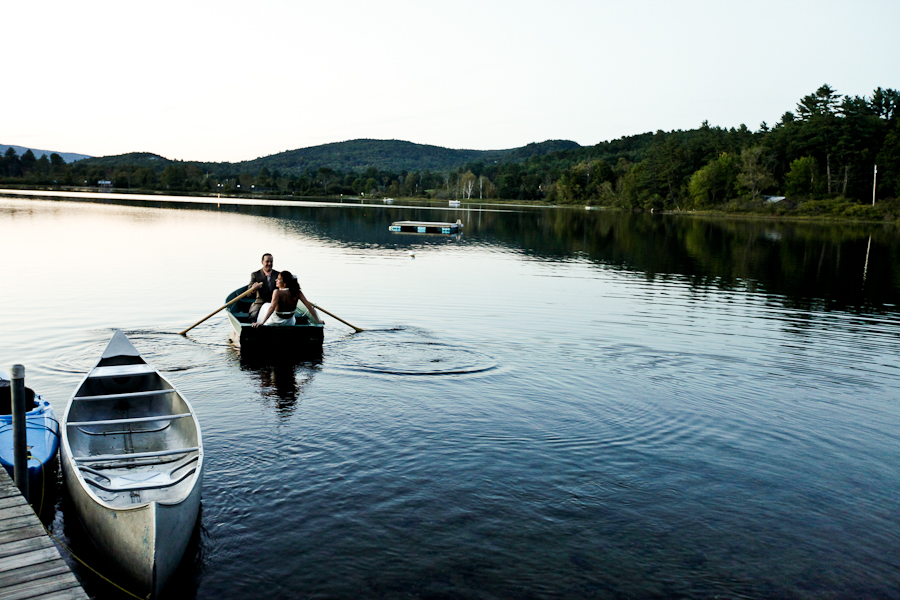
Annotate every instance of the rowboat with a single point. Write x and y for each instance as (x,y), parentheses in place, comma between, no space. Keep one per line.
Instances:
(132,459)
(41,435)
(303,338)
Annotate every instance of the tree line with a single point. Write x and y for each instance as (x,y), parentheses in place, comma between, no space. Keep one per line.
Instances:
(821,157)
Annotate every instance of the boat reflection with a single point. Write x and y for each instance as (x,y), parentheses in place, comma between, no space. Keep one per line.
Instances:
(281,380)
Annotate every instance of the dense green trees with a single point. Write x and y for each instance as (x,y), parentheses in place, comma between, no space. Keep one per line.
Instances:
(714,182)
(826,149)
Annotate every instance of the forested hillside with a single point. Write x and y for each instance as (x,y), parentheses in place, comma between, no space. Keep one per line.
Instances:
(821,156)
(392,156)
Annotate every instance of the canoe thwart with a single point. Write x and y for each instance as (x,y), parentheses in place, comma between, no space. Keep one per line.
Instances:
(132,420)
(105,432)
(121,371)
(105,457)
(127,395)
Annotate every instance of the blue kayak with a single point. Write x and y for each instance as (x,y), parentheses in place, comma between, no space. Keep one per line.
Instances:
(41,433)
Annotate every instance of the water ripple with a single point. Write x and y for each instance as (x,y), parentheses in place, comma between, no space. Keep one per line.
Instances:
(412,357)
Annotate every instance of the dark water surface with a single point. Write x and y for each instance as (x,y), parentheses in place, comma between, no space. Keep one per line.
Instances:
(560,404)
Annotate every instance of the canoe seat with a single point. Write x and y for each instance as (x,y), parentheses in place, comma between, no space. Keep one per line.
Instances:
(121,371)
(133,455)
(132,420)
(127,396)
(133,482)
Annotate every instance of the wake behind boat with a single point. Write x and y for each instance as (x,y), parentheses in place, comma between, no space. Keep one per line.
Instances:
(132,458)
(41,434)
(305,337)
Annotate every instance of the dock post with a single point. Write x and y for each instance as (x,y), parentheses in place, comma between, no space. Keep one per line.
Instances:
(20,443)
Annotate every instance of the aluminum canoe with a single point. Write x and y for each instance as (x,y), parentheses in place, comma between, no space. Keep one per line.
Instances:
(132,459)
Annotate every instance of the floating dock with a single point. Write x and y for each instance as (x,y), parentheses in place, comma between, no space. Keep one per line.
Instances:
(426,227)
(30,564)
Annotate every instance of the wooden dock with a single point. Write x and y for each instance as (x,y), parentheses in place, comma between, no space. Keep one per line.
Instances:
(30,564)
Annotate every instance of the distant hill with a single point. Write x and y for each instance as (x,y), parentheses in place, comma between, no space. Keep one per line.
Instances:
(66,156)
(354,155)
(136,159)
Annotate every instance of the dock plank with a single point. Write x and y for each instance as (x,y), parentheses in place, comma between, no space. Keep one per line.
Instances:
(16,522)
(23,560)
(72,593)
(8,491)
(16,511)
(29,545)
(33,572)
(16,500)
(32,589)
(30,564)
(15,534)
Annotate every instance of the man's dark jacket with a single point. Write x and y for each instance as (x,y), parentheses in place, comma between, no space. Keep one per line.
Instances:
(263,294)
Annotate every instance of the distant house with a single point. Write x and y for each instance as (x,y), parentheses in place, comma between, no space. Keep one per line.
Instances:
(105,184)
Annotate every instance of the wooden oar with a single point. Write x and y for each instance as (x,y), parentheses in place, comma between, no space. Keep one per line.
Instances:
(217,310)
(338,318)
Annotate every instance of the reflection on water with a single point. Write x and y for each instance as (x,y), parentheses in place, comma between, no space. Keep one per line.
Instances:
(562,403)
(281,381)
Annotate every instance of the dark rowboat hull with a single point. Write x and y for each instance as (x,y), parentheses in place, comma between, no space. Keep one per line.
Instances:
(304,338)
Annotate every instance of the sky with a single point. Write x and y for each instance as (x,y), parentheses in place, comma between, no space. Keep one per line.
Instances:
(228,81)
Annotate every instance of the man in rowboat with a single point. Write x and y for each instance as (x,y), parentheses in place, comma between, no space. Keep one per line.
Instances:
(263,281)
(266,281)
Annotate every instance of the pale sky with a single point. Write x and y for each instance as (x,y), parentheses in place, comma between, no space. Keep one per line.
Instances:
(226,80)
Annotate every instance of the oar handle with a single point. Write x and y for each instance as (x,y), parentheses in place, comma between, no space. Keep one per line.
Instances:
(338,318)
(226,305)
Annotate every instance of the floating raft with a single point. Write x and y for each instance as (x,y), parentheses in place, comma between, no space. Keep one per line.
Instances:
(426,227)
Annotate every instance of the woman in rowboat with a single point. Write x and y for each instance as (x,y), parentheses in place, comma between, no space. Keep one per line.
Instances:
(280,311)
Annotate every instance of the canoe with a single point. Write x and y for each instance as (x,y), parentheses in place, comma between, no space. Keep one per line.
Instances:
(132,459)
(41,435)
(304,338)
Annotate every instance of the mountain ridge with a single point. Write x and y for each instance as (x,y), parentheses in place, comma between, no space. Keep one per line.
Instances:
(351,155)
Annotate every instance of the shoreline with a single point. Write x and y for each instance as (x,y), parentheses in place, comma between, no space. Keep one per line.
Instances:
(487,205)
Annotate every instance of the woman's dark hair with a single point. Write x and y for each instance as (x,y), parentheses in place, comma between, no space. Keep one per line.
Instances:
(290,282)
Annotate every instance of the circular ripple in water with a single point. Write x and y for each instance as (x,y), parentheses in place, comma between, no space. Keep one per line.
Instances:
(417,358)
(165,351)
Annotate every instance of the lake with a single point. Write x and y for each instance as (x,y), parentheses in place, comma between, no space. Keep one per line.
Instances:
(560,403)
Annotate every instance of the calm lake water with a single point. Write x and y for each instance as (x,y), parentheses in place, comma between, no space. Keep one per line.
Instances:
(560,404)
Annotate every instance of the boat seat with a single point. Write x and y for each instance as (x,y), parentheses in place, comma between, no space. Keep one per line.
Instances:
(133,482)
(133,455)
(131,420)
(121,371)
(127,395)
